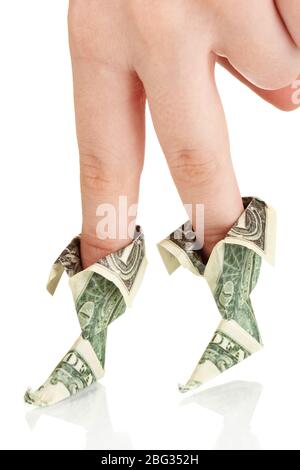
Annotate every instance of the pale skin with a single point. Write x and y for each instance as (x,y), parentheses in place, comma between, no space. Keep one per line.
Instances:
(125,52)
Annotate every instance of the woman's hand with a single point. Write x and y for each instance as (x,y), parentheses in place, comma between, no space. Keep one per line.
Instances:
(124,51)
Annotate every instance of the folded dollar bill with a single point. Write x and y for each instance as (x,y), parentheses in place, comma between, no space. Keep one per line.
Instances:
(232,272)
(101,294)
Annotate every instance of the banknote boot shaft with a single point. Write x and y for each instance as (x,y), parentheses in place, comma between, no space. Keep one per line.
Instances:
(231,271)
(101,294)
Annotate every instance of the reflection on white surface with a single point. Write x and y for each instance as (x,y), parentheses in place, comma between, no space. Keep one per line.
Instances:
(90,410)
(236,402)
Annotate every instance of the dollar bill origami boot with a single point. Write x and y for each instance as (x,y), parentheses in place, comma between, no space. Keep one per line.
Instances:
(101,294)
(232,272)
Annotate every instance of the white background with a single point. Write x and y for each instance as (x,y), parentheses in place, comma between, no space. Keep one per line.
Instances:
(158,342)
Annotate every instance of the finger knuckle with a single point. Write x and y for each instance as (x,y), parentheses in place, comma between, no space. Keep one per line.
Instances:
(192,165)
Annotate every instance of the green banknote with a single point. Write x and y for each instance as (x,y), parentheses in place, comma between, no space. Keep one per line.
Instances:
(101,294)
(232,272)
